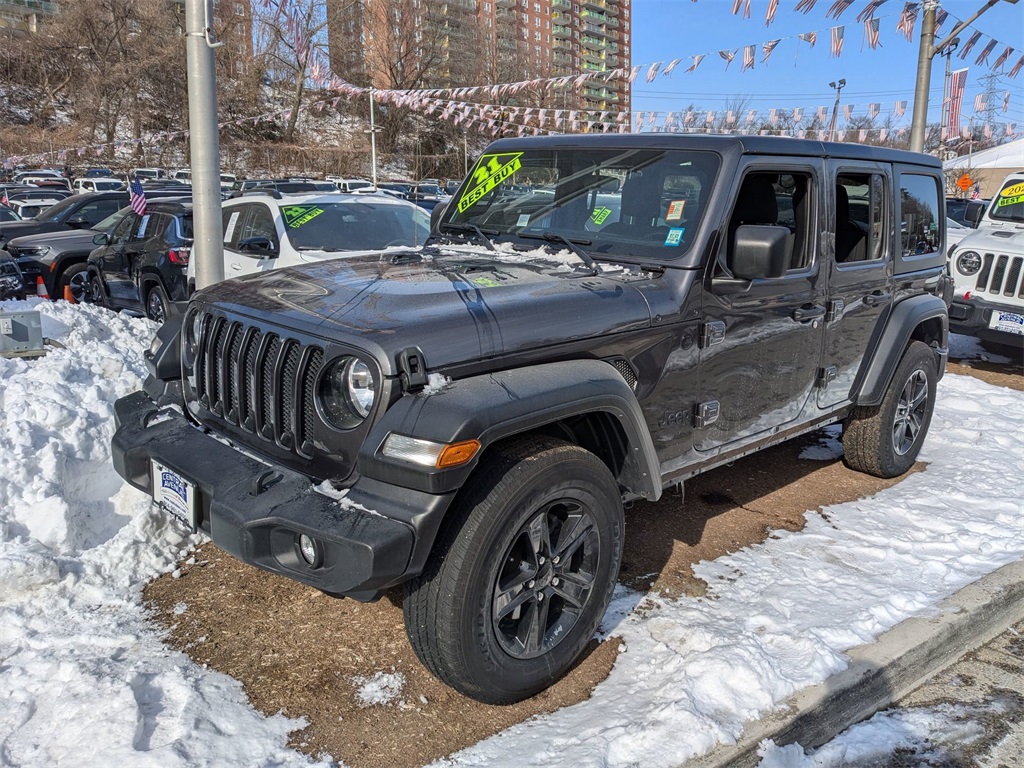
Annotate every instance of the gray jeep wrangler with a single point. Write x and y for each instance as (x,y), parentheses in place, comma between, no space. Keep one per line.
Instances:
(594,319)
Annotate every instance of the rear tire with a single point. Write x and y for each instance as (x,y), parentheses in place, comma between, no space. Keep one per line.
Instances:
(884,440)
(158,306)
(75,277)
(521,573)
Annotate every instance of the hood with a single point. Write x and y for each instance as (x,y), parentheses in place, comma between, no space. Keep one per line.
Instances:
(59,240)
(457,308)
(12,229)
(995,237)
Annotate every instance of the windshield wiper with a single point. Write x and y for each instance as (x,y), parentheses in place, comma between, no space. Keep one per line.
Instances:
(554,237)
(481,233)
(646,265)
(324,248)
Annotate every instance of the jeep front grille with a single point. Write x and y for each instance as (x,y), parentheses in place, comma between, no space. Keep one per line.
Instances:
(259,382)
(1001,274)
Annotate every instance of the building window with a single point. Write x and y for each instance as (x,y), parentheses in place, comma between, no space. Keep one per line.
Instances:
(536,35)
(239,9)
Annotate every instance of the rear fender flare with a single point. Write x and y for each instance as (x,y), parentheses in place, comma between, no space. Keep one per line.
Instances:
(906,317)
(492,407)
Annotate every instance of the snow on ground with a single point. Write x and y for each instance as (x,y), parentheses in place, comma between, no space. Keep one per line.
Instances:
(85,678)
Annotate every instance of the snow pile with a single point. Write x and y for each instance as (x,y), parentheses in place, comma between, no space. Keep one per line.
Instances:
(379,689)
(779,615)
(85,678)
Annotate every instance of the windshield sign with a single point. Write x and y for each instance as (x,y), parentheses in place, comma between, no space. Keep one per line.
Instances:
(1009,203)
(354,226)
(643,202)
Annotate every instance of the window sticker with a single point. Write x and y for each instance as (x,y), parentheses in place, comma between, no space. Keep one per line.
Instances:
(1009,200)
(675,210)
(524,220)
(490,171)
(229,230)
(485,282)
(142,225)
(675,236)
(600,215)
(1014,190)
(297,215)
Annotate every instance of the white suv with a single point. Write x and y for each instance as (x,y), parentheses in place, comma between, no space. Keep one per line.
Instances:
(988,270)
(264,231)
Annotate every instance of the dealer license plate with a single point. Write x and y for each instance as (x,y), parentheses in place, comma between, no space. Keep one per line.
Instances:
(1008,322)
(175,494)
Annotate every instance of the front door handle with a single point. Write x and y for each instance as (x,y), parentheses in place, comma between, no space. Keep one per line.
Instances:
(236,266)
(876,298)
(808,312)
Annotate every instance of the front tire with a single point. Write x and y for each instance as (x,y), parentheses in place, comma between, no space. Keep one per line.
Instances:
(521,573)
(97,292)
(884,440)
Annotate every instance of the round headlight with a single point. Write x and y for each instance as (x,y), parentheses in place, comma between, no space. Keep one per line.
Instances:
(968,263)
(191,332)
(347,392)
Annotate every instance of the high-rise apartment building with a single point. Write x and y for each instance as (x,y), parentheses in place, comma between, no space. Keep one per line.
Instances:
(437,43)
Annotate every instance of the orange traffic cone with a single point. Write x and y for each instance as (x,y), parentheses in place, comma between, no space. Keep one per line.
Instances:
(41,288)
(69,297)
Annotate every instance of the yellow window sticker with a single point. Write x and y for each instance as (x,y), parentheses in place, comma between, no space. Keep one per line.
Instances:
(297,215)
(490,171)
(675,210)
(599,215)
(1010,200)
(485,282)
(1015,190)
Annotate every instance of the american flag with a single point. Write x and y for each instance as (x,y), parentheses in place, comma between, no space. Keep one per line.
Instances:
(138,197)
(871,33)
(798,114)
(769,16)
(981,102)
(821,114)
(748,57)
(986,52)
(873,110)
(837,8)
(1002,58)
(869,9)
(900,108)
(957,81)
(847,112)
(737,4)
(1016,67)
(973,41)
(837,41)
(907,19)
(805,5)
(728,56)
(1006,102)
(767,49)
(940,18)
(808,37)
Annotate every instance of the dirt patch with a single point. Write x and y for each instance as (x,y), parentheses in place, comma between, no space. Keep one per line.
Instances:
(306,654)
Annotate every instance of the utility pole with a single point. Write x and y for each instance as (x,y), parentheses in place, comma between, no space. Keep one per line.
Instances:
(835,109)
(373,142)
(926,52)
(204,143)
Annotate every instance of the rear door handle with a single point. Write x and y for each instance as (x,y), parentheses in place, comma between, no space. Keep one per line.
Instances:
(876,298)
(808,312)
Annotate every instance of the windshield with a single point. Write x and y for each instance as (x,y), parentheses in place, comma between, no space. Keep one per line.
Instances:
(642,202)
(361,226)
(1009,203)
(56,212)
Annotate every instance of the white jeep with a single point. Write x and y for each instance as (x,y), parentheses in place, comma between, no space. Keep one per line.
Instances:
(987,268)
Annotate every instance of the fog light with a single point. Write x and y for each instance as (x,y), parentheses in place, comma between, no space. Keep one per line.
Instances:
(309,550)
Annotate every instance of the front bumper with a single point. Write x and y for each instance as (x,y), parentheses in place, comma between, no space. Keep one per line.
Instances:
(971,317)
(256,512)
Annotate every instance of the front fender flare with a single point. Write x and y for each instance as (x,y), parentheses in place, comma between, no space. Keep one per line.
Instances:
(905,318)
(494,406)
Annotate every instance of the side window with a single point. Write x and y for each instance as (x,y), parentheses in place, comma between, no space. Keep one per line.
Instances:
(919,214)
(96,211)
(232,218)
(150,225)
(859,217)
(123,231)
(780,199)
(258,222)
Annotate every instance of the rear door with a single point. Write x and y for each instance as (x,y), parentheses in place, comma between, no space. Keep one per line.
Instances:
(761,345)
(859,259)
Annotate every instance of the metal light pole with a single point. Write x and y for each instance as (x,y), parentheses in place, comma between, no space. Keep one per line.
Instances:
(835,109)
(204,143)
(926,52)
(373,142)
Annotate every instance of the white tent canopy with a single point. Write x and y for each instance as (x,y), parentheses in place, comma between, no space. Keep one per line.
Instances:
(1009,157)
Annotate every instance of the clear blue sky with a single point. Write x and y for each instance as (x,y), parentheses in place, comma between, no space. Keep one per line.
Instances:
(667,29)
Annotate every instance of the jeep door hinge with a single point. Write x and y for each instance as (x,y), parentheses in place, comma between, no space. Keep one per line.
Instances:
(827,375)
(706,414)
(835,310)
(412,369)
(712,333)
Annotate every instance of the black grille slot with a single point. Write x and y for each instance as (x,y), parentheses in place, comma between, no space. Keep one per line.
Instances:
(986,269)
(259,381)
(997,274)
(625,370)
(1013,276)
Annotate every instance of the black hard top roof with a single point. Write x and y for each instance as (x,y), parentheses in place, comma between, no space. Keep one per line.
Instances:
(750,145)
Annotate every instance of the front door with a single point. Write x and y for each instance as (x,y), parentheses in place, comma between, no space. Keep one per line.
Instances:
(761,342)
(860,261)
(245,227)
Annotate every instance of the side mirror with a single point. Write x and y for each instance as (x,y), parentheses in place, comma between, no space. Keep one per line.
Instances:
(257,245)
(101,239)
(79,222)
(435,215)
(760,252)
(974,213)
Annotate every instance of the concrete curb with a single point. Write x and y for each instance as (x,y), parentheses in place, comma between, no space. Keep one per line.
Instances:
(886,670)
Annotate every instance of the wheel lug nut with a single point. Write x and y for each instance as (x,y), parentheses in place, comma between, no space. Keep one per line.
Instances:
(540,560)
(555,559)
(554,582)
(530,585)
(540,597)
